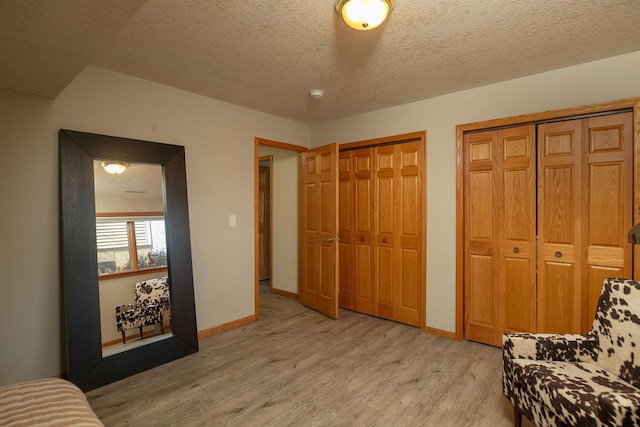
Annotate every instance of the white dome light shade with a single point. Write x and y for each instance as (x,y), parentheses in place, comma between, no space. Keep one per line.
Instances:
(114,168)
(364,14)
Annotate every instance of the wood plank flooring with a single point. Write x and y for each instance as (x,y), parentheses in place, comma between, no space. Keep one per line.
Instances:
(295,367)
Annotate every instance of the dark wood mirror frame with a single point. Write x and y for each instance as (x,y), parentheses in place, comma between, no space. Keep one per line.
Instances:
(86,366)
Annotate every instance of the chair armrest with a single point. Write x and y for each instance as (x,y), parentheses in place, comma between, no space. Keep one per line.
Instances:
(550,347)
(611,401)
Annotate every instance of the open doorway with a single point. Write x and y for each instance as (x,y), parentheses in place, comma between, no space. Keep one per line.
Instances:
(278,258)
(265,225)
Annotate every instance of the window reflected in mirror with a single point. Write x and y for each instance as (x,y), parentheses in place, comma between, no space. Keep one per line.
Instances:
(132,255)
(130,243)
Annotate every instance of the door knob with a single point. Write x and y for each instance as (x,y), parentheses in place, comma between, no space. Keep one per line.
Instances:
(516,250)
(558,254)
(332,239)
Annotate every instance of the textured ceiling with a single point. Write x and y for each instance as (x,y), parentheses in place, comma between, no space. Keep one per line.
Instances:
(267,55)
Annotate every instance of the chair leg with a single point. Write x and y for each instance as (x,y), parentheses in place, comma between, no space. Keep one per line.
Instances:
(124,337)
(517,417)
(141,332)
(162,328)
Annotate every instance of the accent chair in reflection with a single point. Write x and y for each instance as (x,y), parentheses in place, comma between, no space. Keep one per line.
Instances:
(150,307)
(590,379)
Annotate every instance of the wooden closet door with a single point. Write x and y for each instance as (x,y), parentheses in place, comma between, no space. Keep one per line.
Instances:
(559,227)
(364,301)
(607,205)
(408,238)
(517,231)
(318,268)
(345,229)
(481,237)
(384,231)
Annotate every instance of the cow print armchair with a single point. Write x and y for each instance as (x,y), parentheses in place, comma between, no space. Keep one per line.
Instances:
(580,380)
(151,307)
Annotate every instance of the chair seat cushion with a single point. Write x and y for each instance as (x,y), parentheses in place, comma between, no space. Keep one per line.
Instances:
(579,393)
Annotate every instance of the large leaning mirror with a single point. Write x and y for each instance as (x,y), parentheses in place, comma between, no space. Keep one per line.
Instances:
(163,258)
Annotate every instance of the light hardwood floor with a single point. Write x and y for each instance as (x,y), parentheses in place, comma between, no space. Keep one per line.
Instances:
(295,367)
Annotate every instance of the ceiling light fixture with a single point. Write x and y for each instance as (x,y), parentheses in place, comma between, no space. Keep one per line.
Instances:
(364,14)
(316,93)
(114,168)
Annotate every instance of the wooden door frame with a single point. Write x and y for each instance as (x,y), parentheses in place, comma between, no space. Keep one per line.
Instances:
(421,137)
(257,142)
(576,112)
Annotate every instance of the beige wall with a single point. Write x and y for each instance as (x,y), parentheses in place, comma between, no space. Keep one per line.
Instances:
(600,81)
(219,150)
(114,292)
(285,218)
(219,143)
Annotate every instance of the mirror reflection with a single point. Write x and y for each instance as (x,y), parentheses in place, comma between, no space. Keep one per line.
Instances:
(132,255)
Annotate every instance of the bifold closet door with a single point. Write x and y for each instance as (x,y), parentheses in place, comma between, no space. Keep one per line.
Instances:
(500,234)
(408,247)
(481,286)
(517,231)
(580,204)
(607,206)
(585,210)
(397,231)
(345,229)
(356,227)
(559,226)
(381,231)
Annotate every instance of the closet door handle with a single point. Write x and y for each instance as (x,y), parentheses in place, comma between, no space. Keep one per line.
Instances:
(384,240)
(362,239)
(558,254)
(516,250)
(332,239)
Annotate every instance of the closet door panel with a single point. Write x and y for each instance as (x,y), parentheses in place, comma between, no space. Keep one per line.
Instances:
(559,225)
(517,231)
(408,244)
(385,228)
(481,248)
(345,229)
(363,230)
(608,206)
